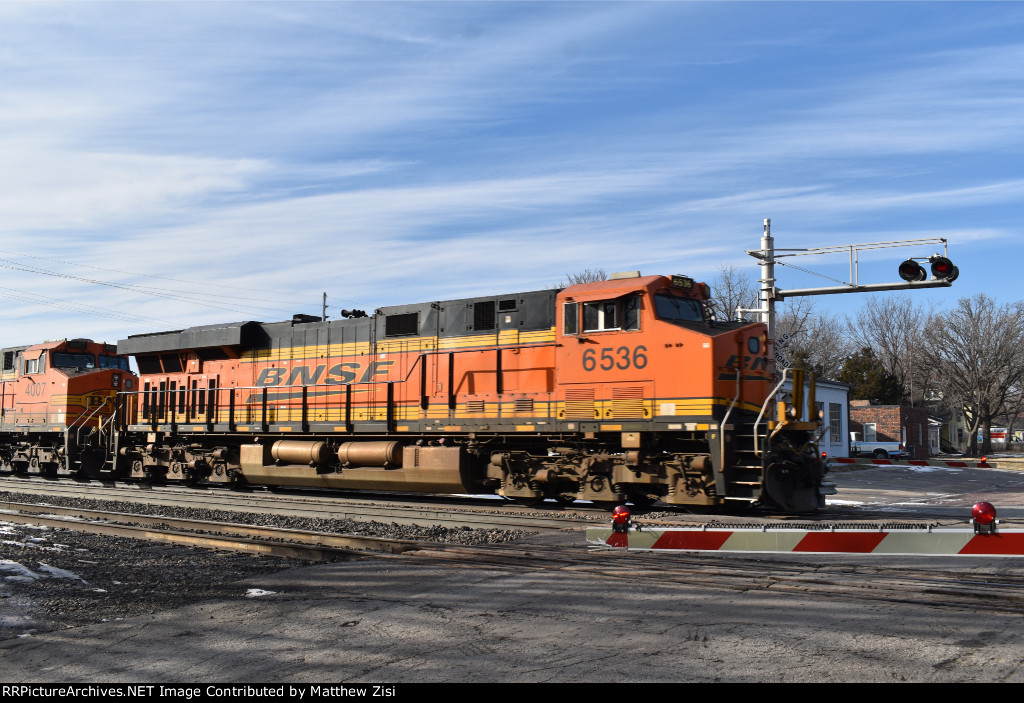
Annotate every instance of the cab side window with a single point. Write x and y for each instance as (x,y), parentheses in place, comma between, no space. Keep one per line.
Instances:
(620,314)
(571,318)
(37,365)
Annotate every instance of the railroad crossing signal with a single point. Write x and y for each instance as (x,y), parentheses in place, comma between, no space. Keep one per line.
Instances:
(911,272)
(942,270)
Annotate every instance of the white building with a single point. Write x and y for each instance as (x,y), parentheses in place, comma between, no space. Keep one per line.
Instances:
(833,399)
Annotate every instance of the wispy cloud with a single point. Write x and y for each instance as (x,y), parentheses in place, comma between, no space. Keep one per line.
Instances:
(292,148)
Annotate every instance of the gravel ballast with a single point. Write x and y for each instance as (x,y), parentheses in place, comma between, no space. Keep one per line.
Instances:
(54,578)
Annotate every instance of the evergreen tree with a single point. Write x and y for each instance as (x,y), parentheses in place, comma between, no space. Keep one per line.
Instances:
(870,381)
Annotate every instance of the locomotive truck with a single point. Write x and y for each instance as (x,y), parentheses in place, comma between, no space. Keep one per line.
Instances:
(625,389)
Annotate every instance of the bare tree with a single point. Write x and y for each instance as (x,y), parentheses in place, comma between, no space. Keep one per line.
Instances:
(893,328)
(733,288)
(977,351)
(585,276)
(817,341)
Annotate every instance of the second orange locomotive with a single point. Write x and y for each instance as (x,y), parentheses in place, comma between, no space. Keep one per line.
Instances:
(57,402)
(606,391)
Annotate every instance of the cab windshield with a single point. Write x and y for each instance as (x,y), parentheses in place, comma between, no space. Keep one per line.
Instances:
(66,360)
(678,309)
(113,362)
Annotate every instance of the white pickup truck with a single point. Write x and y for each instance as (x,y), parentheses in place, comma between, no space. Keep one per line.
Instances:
(875,450)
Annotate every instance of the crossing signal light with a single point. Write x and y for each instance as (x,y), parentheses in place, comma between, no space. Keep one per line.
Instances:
(621,520)
(943,269)
(910,270)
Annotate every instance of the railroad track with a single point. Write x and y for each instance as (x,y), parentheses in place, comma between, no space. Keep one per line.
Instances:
(871,583)
(406,510)
(269,541)
(389,509)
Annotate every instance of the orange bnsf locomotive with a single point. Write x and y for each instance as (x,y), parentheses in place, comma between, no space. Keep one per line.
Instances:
(625,389)
(57,404)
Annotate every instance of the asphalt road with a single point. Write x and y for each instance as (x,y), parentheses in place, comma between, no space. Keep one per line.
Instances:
(405,620)
(915,489)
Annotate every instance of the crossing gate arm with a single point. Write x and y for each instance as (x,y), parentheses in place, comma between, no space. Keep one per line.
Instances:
(926,541)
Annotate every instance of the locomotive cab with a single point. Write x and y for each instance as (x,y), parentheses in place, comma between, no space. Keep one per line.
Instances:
(57,400)
(648,373)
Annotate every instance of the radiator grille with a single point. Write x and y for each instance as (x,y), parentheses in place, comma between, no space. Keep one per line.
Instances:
(524,406)
(628,402)
(579,403)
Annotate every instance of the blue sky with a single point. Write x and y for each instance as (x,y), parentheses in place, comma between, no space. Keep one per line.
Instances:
(172,164)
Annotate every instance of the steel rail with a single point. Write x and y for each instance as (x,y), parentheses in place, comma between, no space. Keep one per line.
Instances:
(293,544)
(392,509)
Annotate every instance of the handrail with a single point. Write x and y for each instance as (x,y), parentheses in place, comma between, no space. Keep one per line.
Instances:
(154,393)
(260,401)
(78,433)
(725,419)
(785,372)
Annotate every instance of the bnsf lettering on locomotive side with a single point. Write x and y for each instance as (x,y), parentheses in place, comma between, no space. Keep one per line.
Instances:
(376,368)
(758,363)
(301,376)
(338,375)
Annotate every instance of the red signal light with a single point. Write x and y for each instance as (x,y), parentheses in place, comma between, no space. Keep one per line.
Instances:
(983,513)
(943,269)
(620,519)
(910,270)
(983,516)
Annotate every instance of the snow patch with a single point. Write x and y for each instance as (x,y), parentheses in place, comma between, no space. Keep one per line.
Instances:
(20,573)
(56,573)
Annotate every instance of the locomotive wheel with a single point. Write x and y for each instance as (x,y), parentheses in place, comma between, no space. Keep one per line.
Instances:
(565,499)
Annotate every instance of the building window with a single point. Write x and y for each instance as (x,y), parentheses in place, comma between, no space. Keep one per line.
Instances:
(870,434)
(835,422)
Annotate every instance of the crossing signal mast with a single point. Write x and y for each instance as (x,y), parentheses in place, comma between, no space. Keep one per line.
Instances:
(943,272)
